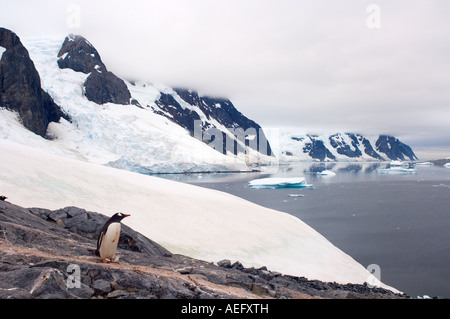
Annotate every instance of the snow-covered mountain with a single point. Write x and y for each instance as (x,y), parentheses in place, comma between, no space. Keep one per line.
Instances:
(143,127)
(62,90)
(340,147)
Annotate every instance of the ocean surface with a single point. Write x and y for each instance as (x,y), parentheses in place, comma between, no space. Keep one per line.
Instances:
(399,221)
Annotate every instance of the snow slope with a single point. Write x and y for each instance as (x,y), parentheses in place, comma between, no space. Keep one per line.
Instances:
(2,50)
(197,222)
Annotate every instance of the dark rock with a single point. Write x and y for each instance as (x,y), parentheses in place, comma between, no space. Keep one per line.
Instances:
(394,149)
(185,270)
(20,87)
(224,263)
(105,87)
(101,286)
(317,150)
(79,55)
(237,265)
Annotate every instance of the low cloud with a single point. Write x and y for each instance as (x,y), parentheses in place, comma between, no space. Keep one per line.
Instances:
(283,63)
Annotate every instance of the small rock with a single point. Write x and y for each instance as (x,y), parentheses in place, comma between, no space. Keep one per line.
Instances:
(237,265)
(102,286)
(267,275)
(224,263)
(185,270)
(117,294)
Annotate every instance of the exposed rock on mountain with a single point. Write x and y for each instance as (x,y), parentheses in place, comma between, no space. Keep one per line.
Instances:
(79,55)
(20,86)
(105,87)
(101,86)
(394,149)
(217,119)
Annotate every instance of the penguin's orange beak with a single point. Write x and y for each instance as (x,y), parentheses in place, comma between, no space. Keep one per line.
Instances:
(126,215)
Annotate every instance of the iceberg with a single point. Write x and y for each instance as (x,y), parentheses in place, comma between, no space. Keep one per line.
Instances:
(424,164)
(447,165)
(327,173)
(276,183)
(398,164)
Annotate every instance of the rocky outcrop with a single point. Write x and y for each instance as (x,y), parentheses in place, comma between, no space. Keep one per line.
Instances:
(20,87)
(101,86)
(105,87)
(215,116)
(394,149)
(50,254)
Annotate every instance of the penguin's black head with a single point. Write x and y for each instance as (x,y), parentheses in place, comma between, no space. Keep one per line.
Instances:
(118,217)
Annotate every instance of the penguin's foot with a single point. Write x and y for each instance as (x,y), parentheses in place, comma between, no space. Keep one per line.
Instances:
(109,261)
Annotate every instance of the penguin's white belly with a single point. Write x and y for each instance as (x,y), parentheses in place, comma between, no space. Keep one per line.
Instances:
(110,241)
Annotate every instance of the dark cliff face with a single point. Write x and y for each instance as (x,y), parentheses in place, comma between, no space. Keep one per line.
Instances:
(394,149)
(20,87)
(101,86)
(220,110)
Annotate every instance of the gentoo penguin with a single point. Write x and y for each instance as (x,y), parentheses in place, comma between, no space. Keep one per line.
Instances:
(108,239)
(3,198)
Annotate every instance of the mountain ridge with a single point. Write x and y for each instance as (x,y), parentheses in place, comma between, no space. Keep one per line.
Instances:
(342,146)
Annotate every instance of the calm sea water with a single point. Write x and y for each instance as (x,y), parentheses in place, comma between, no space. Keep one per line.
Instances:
(399,222)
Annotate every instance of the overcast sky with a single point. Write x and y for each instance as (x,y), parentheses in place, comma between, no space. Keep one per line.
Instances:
(352,65)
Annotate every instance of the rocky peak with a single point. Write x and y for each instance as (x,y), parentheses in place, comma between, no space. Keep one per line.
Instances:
(20,86)
(101,86)
(394,149)
(79,54)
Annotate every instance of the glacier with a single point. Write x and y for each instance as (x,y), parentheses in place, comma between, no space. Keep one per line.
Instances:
(122,136)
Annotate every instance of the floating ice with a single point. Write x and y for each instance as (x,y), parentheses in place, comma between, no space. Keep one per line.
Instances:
(397,170)
(398,164)
(447,165)
(275,183)
(327,173)
(424,164)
